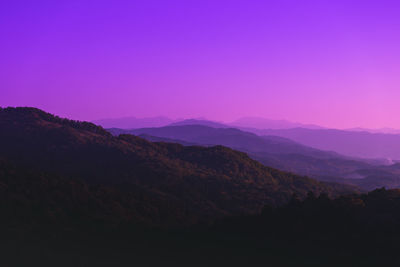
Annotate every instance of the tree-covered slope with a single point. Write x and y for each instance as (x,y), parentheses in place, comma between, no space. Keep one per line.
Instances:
(191,184)
(274,151)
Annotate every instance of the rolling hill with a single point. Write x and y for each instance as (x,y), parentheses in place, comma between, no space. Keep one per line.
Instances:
(229,137)
(274,151)
(174,184)
(283,154)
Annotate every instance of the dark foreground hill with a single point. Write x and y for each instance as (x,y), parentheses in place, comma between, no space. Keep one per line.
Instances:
(73,195)
(353,230)
(131,179)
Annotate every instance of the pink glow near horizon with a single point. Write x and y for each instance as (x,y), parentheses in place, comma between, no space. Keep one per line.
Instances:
(332,63)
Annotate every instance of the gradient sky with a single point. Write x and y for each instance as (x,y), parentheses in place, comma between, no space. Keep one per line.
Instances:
(332,63)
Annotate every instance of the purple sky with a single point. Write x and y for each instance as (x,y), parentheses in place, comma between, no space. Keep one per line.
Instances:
(334,63)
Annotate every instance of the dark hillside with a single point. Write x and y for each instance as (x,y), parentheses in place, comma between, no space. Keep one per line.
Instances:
(193,182)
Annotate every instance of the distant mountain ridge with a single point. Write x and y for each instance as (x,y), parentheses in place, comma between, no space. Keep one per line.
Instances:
(252,124)
(199,122)
(230,137)
(378,130)
(350,143)
(282,153)
(160,121)
(263,123)
(270,150)
(133,122)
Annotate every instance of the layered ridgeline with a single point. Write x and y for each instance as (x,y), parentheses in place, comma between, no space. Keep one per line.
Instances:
(352,143)
(281,153)
(65,168)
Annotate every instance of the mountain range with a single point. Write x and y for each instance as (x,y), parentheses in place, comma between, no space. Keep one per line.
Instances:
(141,181)
(356,142)
(133,122)
(281,153)
(73,194)
(245,122)
(350,143)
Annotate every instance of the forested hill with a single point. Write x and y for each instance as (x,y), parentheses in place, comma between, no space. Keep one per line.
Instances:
(161,183)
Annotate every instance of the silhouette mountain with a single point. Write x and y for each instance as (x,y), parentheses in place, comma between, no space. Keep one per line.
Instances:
(72,194)
(174,184)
